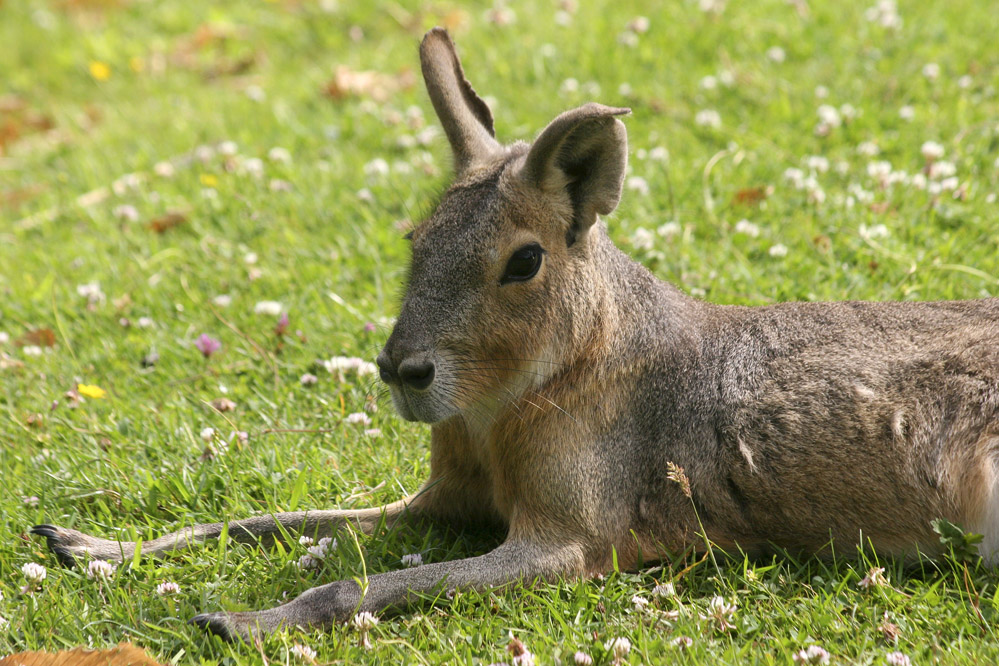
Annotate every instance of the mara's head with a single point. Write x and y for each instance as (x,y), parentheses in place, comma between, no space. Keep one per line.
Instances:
(502,289)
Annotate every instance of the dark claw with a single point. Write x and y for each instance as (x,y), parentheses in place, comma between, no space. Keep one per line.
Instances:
(65,557)
(50,531)
(54,537)
(214,624)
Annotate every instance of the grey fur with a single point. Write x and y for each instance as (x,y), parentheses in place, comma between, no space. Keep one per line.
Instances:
(558,402)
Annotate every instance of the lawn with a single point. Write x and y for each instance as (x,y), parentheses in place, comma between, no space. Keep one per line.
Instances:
(177,177)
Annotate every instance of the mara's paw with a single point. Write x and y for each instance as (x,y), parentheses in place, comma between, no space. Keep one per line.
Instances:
(240,626)
(70,546)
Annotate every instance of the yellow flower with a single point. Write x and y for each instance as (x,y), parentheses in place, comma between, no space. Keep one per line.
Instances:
(208,180)
(100,70)
(136,64)
(91,391)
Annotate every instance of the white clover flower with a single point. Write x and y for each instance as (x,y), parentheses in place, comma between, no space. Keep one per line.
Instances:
(228,148)
(208,434)
(638,184)
(721,613)
(279,154)
(308,379)
(664,590)
(643,239)
(708,82)
(965,82)
(412,560)
(305,540)
(708,118)
(682,642)
(813,655)
(570,85)
(848,111)
(942,169)
(817,163)
(897,659)
(91,291)
(372,432)
(4,337)
(669,229)
(270,308)
(776,54)
(303,653)
(931,150)
(868,149)
(726,77)
(777,250)
(582,659)
(307,562)
(639,24)
(795,176)
(628,39)
(747,228)
(34,573)
(167,588)
(907,112)
(931,71)
(829,115)
(145,322)
(821,92)
(619,647)
(100,570)
(874,578)
(876,231)
(30,502)
(639,602)
(126,212)
(365,622)
(358,418)
(164,169)
(376,168)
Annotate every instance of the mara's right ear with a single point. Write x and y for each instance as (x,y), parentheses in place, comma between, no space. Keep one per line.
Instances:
(467,120)
(584,151)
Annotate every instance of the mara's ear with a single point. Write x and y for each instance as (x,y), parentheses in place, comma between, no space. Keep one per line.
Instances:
(467,120)
(584,151)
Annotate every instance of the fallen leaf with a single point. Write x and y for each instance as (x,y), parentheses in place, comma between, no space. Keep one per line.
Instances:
(347,82)
(124,654)
(223,404)
(41,337)
(165,222)
(750,196)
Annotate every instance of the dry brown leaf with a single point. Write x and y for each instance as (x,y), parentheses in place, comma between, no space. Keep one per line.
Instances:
(165,222)
(41,337)
(750,196)
(347,82)
(124,654)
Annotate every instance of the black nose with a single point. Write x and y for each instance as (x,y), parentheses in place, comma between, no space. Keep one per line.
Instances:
(418,372)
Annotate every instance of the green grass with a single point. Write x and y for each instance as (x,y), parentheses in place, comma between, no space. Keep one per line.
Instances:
(183,75)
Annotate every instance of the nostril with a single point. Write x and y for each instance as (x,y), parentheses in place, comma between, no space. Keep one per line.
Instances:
(417,373)
(384,367)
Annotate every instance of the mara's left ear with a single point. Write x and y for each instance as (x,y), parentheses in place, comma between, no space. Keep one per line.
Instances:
(584,151)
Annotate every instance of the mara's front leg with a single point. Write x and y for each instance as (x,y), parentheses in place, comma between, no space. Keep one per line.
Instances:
(322,606)
(69,545)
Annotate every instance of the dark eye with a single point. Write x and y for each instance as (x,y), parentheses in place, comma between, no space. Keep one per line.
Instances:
(524,264)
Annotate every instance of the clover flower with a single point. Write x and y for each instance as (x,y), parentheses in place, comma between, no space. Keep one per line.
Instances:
(814,654)
(619,648)
(721,613)
(207,345)
(364,622)
(100,570)
(167,588)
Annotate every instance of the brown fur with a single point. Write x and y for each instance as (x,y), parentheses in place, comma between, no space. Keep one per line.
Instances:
(560,399)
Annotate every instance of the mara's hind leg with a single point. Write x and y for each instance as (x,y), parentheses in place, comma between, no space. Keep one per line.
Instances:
(979,495)
(69,545)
